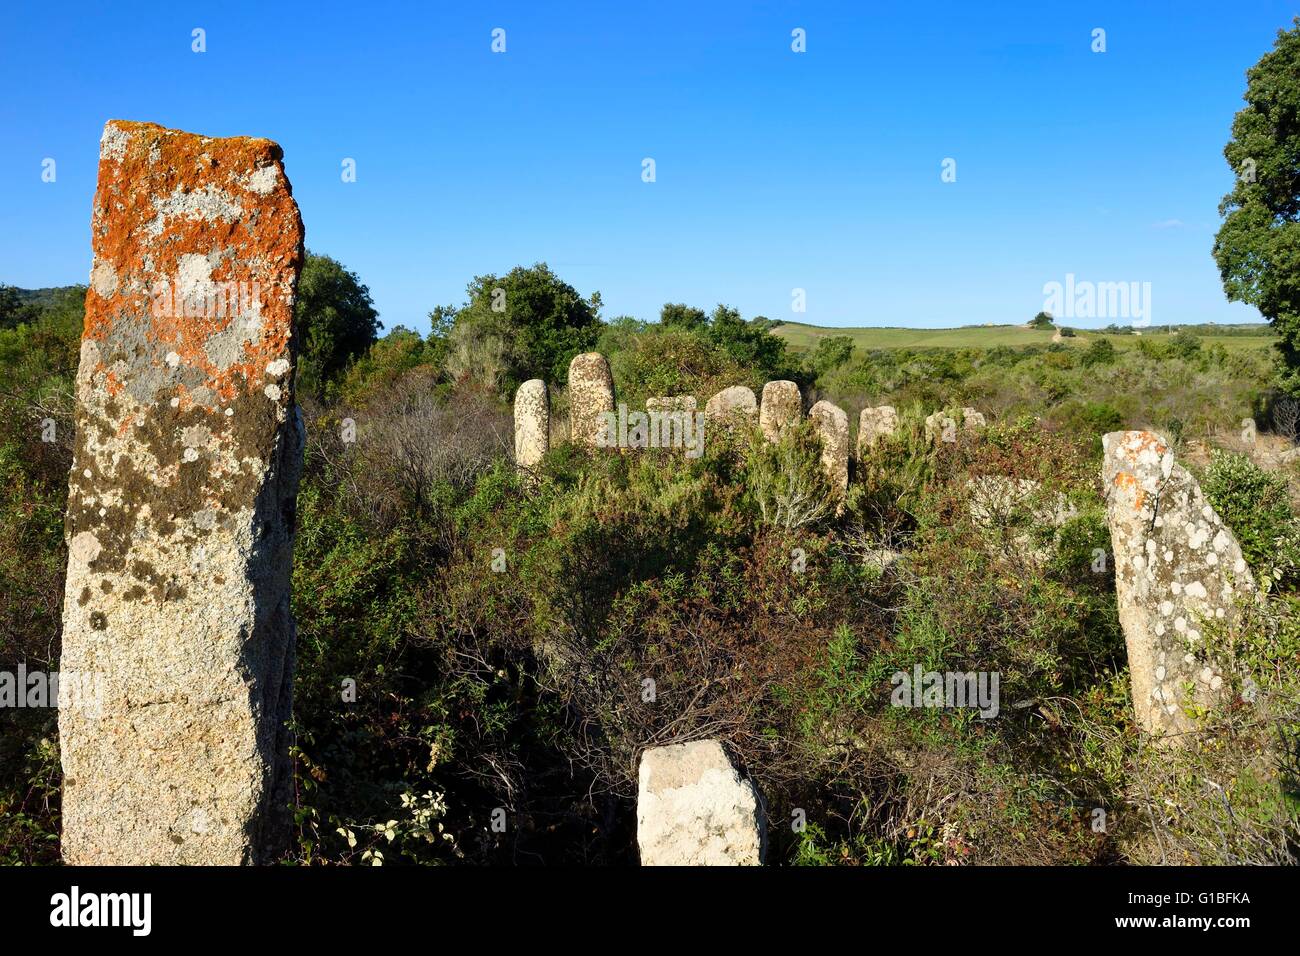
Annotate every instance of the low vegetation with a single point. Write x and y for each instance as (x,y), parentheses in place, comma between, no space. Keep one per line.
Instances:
(477,648)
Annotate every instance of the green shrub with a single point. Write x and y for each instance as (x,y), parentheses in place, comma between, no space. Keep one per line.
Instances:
(1099,352)
(652,361)
(1089,419)
(787,481)
(1254,503)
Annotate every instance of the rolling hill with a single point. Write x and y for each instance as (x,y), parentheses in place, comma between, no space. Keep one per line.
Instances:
(804,337)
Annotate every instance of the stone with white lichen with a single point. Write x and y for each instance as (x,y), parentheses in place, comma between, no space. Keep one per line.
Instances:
(875,425)
(781,407)
(732,406)
(591,396)
(181,506)
(833,426)
(1177,568)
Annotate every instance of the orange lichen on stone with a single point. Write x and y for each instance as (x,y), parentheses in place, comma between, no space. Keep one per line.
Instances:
(1178,569)
(1136,443)
(187,356)
(164,197)
(182,506)
(1128,482)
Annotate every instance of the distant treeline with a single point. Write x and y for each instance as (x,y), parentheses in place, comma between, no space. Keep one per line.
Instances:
(1204,328)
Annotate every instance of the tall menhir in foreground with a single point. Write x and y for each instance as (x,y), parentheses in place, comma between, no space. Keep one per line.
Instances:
(181,505)
(1178,572)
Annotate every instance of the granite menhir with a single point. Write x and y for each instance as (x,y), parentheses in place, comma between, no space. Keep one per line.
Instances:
(1178,570)
(181,506)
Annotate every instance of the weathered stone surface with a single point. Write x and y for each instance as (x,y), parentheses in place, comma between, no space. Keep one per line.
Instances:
(694,809)
(1176,566)
(943,425)
(782,406)
(833,425)
(181,505)
(532,423)
(591,395)
(731,404)
(875,424)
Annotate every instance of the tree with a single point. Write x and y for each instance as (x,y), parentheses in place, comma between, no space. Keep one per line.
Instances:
(385,363)
(442,321)
(683,316)
(336,320)
(41,350)
(831,353)
(13,310)
(10,306)
(1184,345)
(1043,320)
(751,345)
(1258,246)
(526,324)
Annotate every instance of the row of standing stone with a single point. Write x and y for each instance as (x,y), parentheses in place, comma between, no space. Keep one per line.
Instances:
(591,397)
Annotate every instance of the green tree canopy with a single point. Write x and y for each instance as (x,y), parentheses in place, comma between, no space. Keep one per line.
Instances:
(10,307)
(385,362)
(1258,246)
(336,319)
(832,352)
(752,345)
(526,324)
(13,309)
(683,316)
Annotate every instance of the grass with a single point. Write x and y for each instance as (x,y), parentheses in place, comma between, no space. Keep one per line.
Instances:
(804,337)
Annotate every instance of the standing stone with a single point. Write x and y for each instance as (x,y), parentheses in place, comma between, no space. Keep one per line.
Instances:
(875,424)
(694,809)
(591,395)
(532,423)
(731,404)
(942,425)
(1176,566)
(181,506)
(782,406)
(833,425)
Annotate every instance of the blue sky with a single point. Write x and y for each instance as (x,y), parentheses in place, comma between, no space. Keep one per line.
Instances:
(775,170)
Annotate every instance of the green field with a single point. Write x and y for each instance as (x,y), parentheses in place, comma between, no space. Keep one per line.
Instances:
(803,337)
